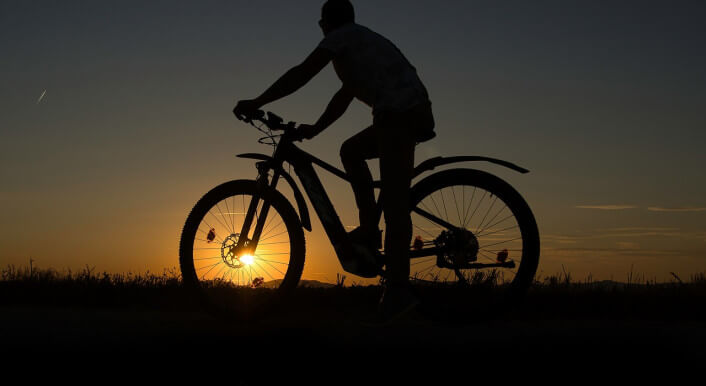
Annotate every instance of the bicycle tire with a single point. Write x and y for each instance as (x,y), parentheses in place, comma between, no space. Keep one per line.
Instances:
(529,260)
(189,239)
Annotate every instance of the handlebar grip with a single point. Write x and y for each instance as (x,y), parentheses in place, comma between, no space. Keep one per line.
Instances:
(257,114)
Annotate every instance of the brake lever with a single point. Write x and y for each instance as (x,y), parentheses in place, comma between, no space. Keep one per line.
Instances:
(295,132)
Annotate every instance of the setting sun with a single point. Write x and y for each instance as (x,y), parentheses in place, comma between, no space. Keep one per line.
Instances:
(247,259)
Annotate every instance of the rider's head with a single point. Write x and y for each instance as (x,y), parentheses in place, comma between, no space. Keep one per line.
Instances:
(336,13)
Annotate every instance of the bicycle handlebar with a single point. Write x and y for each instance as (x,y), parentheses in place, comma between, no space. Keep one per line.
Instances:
(272,121)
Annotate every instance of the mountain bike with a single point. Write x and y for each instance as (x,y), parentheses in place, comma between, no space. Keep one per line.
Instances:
(247,234)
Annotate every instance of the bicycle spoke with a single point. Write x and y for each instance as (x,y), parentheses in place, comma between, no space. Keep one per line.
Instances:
(211,269)
(477,206)
(272,261)
(257,273)
(438,212)
(278,234)
(429,267)
(275,268)
(232,215)
(268,232)
(225,217)
(458,213)
(502,242)
(423,258)
(505,218)
(206,233)
(267,272)
(486,214)
(470,205)
(446,214)
(491,220)
(423,230)
(225,272)
(447,275)
(463,204)
(489,258)
(433,218)
(217,219)
(495,232)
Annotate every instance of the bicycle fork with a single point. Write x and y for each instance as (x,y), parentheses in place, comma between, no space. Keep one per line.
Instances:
(246,245)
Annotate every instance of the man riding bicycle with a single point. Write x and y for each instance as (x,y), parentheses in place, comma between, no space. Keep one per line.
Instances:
(373,70)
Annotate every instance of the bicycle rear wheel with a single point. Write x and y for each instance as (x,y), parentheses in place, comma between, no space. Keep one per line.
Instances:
(480,228)
(209,261)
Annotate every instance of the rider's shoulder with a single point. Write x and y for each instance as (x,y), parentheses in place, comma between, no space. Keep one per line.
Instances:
(348,34)
(336,40)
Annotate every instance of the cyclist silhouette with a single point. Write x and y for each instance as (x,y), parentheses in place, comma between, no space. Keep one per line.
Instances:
(373,70)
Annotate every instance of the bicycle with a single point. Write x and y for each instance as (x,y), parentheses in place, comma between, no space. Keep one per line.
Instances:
(247,234)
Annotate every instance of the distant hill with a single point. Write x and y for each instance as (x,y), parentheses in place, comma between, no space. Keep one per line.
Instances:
(612,284)
(302,283)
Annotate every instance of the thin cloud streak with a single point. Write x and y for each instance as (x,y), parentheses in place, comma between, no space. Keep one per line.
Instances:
(697,235)
(687,209)
(42,96)
(594,252)
(606,207)
(638,229)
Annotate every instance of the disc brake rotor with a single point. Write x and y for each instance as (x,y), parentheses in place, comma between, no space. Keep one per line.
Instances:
(229,251)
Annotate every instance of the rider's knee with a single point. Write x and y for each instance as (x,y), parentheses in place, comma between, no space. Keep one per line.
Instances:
(348,152)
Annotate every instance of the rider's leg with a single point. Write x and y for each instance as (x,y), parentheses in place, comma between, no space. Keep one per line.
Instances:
(396,168)
(354,152)
(397,137)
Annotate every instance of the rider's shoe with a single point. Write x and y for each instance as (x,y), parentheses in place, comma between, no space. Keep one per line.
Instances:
(359,260)
(398,301)
(361,256)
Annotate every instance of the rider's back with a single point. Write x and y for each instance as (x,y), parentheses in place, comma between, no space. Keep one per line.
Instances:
(374,69)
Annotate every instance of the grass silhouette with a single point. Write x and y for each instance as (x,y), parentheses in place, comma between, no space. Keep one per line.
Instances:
(486,298)
(45,310)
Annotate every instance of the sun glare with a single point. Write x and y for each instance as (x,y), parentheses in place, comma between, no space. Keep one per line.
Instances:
(247,259)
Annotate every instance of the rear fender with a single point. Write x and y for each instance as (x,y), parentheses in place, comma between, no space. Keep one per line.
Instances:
(301,203)
(435,162)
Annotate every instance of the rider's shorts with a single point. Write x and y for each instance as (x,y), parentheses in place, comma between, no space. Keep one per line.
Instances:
(418,120)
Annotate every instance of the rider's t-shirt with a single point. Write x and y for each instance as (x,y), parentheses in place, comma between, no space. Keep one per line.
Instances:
(374,69)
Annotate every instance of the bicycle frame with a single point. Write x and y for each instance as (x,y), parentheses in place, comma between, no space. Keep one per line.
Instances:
(302,162)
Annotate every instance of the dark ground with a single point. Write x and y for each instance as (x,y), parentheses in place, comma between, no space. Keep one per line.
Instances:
(555,324)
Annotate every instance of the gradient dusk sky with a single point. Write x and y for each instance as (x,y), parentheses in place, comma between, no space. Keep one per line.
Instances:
(116,118)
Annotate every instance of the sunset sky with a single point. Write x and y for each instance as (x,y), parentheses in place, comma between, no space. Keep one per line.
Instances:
(116,118)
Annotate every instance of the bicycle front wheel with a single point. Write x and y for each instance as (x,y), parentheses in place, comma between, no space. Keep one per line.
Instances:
(479,228)
(207,254)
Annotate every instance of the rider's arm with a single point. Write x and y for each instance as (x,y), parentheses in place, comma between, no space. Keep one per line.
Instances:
(296,77)
(336,107)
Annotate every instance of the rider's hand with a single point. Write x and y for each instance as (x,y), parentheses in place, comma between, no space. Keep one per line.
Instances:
(308,131)
(246,108)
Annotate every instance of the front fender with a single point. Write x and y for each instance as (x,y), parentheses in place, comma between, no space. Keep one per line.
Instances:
(301,203)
